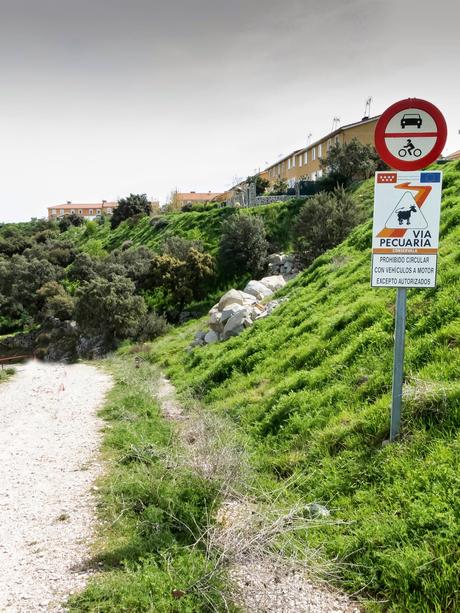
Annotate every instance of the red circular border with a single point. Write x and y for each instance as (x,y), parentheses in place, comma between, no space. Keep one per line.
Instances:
(384,120)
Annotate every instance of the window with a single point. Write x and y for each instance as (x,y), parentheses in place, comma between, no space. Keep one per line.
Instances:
(91,211)
(62,212)
(73,211)
(337,139)
(305,157)
(313,154)
(320,150)
(80,211)
(109,210)
(300,161)
(289,163)
(293,161)
(98,211)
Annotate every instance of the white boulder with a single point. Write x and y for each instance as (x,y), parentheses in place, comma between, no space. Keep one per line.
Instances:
(211,337)
(275,258)
(235,322)
(230,310)
(258,289)
(274,283)
(235,296)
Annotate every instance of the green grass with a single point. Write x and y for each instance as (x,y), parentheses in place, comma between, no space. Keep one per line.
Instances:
(203,226)
(6,373)
(311,387)
(153,511)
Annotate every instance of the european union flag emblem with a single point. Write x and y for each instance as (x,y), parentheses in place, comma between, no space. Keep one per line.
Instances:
(430,177)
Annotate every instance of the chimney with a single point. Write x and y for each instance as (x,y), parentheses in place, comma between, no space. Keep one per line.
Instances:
(104,202)
(69,201)
(193,192)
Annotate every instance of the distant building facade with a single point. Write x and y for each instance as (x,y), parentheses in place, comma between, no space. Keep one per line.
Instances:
(183,198)
(305,163)
(88,211)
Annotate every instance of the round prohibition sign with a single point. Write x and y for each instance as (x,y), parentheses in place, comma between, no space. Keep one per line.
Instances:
(410,134)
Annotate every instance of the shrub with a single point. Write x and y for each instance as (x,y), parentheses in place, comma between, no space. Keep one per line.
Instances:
(243,246)
(279,188)
(109,308)
(56,301)
(178,247)
(151,326)
(324,221)
(68,221)
(159,222)
(184,280)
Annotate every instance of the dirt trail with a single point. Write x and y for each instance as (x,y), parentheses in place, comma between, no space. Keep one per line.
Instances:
(49,439)
(261,583)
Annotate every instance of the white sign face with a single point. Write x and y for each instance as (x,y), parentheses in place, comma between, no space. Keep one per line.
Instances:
(410,134)
(405,235)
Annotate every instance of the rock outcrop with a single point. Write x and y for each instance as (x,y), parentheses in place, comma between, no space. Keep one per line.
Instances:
(237,310)
(282,264)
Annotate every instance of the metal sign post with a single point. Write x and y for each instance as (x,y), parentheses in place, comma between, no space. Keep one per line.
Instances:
(398,363)
(405,238)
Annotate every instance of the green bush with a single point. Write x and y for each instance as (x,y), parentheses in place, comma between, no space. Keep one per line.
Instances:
(109,308)
(151,326)
(324,221)
(243,246)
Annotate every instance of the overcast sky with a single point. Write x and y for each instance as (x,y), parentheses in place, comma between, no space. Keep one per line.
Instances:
(100,98)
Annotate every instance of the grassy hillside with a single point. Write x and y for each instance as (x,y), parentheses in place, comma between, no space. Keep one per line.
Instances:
(311,386)
(204,226)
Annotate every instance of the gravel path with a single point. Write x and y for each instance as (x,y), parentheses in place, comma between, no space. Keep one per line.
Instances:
(49,438)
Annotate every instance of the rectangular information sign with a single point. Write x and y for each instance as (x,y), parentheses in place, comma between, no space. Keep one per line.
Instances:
(405,235)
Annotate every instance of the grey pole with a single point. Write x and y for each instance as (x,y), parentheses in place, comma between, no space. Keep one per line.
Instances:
(398,365)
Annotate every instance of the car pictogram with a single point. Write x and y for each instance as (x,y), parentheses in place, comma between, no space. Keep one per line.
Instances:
(411,119)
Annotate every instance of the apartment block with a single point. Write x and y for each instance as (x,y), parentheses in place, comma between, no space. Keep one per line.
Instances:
(305,163)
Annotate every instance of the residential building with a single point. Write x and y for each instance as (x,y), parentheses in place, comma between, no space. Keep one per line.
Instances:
(88,211)
(195,197)
(453,156)
(305,163)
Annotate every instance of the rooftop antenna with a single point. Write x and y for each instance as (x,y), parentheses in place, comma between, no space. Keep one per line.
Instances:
(309,137)
(367,109)
(335,123)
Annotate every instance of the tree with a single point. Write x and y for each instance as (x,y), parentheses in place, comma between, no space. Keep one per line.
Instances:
(350,162)
(132,205)
(174,204)
(109,308)
(243,245)
(13,239)
(324,221)
(68,221)
(24,278)
(82,269)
